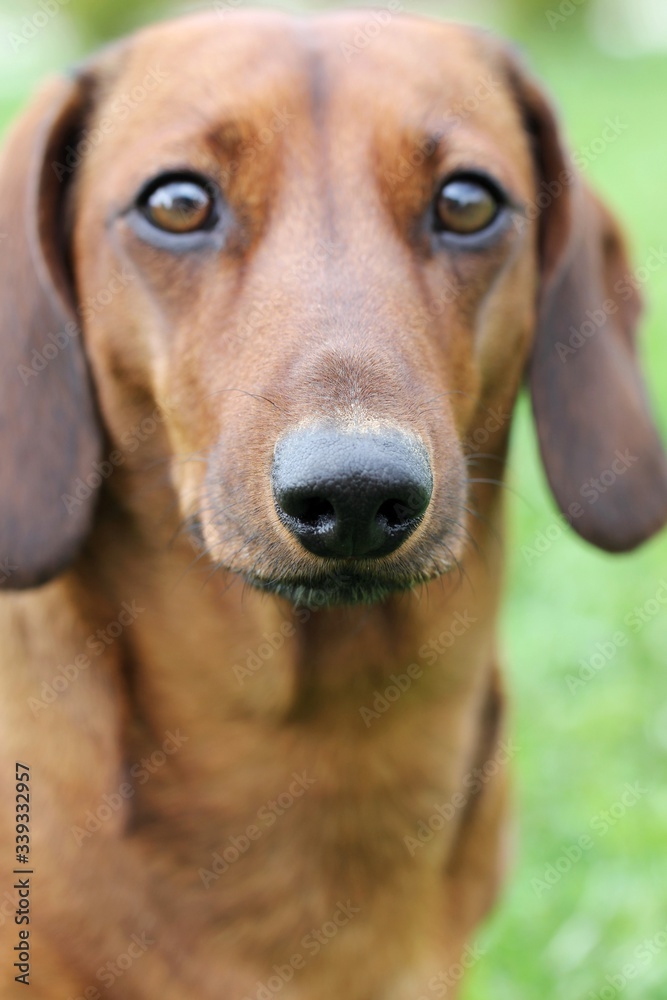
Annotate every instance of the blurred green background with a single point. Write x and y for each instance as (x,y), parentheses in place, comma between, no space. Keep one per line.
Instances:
(600,930)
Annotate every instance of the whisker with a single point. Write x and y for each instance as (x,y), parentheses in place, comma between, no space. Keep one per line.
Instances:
(448,392)
(473,456)
(245,392)
(496,482)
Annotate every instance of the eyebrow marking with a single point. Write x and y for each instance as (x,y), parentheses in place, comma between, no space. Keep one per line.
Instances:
(224,139)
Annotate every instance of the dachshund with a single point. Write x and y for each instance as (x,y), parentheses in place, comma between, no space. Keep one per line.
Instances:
(270,289)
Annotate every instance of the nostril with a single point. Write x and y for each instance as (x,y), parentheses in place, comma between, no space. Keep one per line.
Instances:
(402,512)
(395,513)
(312,512)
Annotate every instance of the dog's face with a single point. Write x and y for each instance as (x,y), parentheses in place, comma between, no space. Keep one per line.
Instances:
(333,261)
(328,279)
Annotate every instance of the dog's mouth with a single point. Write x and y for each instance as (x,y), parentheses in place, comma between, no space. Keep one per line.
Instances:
(345,582)
(363,581)
(341,586)
(324,583)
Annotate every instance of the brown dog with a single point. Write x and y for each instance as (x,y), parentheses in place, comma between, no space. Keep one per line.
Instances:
(311,262)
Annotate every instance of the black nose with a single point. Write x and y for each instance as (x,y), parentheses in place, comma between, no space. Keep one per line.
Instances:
(348,494)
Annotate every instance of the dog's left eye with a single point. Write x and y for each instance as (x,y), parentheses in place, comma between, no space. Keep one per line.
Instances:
(467,205)
(178,205)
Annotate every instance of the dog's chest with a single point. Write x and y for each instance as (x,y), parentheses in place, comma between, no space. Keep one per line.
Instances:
(291,819)
(308,835)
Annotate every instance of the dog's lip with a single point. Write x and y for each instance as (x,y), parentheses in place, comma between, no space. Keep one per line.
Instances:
(347,586)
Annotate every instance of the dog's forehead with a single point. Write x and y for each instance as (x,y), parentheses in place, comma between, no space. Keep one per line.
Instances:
(244,63)
(349,87)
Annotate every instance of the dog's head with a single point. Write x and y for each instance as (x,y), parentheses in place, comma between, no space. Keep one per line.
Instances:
(328,251)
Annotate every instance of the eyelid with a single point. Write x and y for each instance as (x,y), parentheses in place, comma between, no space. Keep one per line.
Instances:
(183,176)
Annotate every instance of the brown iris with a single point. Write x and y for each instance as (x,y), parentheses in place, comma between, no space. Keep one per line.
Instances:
(466,206)
(179,206)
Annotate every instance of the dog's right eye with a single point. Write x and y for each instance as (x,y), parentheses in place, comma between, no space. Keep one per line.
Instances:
(466,205)
(178,205)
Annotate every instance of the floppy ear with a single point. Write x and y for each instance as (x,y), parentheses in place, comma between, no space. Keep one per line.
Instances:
(49,433)
(601,451)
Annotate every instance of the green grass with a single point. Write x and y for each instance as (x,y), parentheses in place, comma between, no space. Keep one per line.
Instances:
(578,750)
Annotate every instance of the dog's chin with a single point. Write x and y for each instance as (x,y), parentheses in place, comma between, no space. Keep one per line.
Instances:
(338,590)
